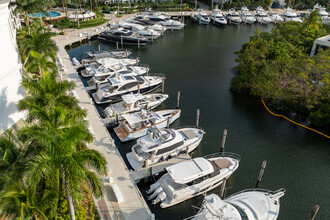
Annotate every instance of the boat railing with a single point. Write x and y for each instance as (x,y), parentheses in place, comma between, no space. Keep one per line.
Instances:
(192,126)
(161,75)
(258,190)
(223,154)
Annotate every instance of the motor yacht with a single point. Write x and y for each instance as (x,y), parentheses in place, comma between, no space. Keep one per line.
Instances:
(121,85)
(261,16)
(148,23)
(275,18)
(290,15)
(246,16)
(162,144)
(113,53)
(163,20)
(141,30)
(191,178)
(217,17)
(122,35)
(233,17)
(322,12)
(138,124)
(132,103)
(202,18)
(248,204)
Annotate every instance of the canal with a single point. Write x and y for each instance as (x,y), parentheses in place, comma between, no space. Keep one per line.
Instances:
(199,61)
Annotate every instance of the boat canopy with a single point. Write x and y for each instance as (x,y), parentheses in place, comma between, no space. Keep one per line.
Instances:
(131,98)
(132,118)
(187,171)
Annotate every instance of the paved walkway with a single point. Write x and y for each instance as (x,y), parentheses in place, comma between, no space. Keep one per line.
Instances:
(133,205)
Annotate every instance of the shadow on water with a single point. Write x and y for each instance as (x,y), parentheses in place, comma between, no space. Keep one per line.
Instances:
(199,61)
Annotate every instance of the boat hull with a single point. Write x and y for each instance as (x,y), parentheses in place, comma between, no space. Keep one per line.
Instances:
(126,41)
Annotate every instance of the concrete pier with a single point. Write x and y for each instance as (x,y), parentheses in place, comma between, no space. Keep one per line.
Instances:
(131,204)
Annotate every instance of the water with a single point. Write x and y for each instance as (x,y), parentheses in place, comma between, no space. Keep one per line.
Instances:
(53,13)
(199,61)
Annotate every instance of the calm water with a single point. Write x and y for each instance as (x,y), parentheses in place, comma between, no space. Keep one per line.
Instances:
(199,61)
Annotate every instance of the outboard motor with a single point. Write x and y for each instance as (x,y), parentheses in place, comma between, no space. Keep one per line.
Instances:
(160,198)
(157,191)
(153,187)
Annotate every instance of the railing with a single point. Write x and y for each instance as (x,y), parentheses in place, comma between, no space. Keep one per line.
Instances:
(161,75)
(223,154)
(258,190)
(190,126)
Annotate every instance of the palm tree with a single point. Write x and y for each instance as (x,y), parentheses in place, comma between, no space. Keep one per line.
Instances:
(41,64)
(39,42)
(48,4)
(25,7)
(313,19)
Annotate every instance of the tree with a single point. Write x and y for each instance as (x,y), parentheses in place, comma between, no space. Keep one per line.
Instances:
(41,64)
(25,7)
(48,4)
(313,19)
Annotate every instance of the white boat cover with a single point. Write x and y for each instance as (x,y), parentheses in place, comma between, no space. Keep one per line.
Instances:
(131,98)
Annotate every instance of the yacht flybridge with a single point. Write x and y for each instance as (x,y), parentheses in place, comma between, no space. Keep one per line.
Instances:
(245,205)
(202,18)
(233,17)
(217,17)
(191,178)
(121,85)
(138,124)
(133,103)
(161,144)
(113,53)
(261,16)
(290,15)
(246,16)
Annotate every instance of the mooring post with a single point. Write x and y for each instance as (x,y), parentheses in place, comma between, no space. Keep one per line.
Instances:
(99,47)
(223,141)
(222,189)
(117,45)
(178,100)
(197,117)
(314,212)
(137,61)
(126,54)
(152,36)
(121,40)
(168,122)
(163,86)
(139,43)
(138,88)
(261,173)
(172,27)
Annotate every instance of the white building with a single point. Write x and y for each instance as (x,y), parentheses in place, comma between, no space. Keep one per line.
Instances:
(10,69)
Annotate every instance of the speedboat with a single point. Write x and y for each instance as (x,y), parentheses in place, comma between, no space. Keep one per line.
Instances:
(322,12)
(261,16)
(122,35)
(138,124)
(132,103)
(113,53)
(248,204)
(217,17)
(290,15)
(275,18)
(162,144)
(233,17)
(246,16)
(163,20)
(141,30)
(202,18)
(101,79)
(121,85)
(191,178)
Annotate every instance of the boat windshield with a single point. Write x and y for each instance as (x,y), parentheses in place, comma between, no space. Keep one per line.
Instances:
(219,17)
(263,16)
(295,16)
(204,16)
(241,212)
(248,15)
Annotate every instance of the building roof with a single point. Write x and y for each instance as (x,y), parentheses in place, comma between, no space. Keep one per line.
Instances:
(187,171)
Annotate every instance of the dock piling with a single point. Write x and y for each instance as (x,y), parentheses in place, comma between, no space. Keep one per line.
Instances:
(223,141)
(139,43)
(121,40)
(99,46)
(178,100)
(261,173)
(152,37)
(138,88)
(117,45)
(126,53)
(172,27)
(314,212)
(222,189)
(168,122)
(197,117)
(163,86)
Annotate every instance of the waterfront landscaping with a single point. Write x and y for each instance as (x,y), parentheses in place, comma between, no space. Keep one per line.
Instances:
(276,66)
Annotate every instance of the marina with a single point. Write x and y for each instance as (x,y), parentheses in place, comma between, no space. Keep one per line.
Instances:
(239,138)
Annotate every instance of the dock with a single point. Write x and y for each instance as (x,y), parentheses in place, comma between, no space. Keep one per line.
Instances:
(148,172)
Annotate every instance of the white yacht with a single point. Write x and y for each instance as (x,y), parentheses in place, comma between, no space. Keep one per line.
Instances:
(101,79)
(322,12)
(147,23)
(162,144)
(202,18)
(290,15)
(233,17)
(246,16)
(132,103)
(113,53)
(121,85)
(141,30)
(138,124)
(191,178)
(261,16)
(163,20)
(275,18)
(245,205)
(217,17)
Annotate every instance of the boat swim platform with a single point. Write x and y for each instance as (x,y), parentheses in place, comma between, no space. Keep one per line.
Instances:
(157,168)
